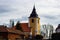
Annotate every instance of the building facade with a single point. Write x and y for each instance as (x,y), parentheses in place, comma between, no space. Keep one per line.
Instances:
(10,34)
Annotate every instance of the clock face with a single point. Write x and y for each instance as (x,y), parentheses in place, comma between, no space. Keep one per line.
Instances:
(58,30)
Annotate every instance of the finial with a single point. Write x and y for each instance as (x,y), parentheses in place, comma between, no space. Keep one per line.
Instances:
(34,4)
(34,7)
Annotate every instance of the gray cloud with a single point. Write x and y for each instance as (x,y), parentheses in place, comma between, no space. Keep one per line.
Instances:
(47,16)
(4,8)
(21,9)
(24,18)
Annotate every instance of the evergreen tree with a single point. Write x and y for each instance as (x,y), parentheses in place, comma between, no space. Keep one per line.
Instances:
(12,23)
(18,26)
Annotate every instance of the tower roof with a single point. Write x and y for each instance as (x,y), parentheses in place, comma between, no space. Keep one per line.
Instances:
(33,14)
(58,27)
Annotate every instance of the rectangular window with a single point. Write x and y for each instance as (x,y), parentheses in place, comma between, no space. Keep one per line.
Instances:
(32,20)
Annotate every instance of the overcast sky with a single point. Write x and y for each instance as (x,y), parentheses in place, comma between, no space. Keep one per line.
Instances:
(48,11)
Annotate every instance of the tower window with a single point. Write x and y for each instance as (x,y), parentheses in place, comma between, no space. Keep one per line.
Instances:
(32,20)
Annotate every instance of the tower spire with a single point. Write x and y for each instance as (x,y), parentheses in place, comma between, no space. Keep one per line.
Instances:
(33,14)
(34,7)
(34,22)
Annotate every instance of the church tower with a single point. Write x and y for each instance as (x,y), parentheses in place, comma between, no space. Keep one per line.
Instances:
(34,22)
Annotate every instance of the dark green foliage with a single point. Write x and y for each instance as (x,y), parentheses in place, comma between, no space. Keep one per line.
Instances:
(12,23)
(18,26)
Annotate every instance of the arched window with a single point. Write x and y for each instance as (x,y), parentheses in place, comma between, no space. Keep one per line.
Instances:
(32,20)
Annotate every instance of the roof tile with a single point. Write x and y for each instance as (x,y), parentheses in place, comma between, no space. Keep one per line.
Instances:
(25,27)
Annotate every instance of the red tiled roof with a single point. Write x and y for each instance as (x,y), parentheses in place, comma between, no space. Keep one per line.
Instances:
(4,29)
(25,27)
(14,31)
(14,27)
